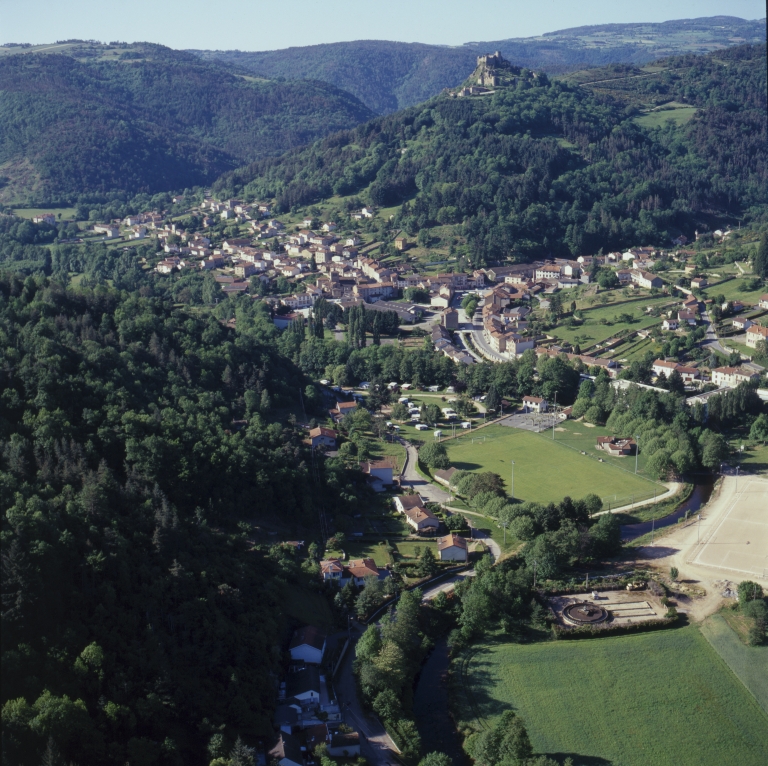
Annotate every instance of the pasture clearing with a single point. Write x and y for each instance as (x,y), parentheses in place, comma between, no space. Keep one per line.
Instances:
(654,698)
(678,113)
(547,470)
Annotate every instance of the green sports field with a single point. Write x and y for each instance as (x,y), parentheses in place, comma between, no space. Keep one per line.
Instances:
(546,470)
(662,698)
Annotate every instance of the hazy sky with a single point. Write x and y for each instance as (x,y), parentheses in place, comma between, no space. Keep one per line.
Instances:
(266,25)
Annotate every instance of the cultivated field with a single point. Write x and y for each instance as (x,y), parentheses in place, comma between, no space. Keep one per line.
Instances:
(546,470)
(654,698)
(739,542)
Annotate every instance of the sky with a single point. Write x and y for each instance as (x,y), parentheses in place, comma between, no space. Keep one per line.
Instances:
(271,24)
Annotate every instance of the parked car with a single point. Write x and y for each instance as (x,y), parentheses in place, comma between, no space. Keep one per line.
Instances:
(421,427)
(403,400)
(466,424)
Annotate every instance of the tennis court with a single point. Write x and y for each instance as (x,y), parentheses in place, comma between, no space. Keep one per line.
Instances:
(739,541)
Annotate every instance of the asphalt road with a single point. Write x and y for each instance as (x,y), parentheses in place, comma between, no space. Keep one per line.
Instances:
(412,478)
(376,745)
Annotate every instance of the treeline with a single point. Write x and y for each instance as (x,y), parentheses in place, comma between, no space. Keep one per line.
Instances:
(160,121)
(555,168)
(137,447)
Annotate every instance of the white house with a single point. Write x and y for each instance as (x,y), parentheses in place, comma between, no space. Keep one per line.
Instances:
(404,502)
(422,520)
(308,645)
(323,437)
(303,685)
(359,570)
(452,548)
(730,377)
(670,324)
(742,323)
(534,404)
(109,231)
(755,334)
(331,570)
(379,469)
(763,302)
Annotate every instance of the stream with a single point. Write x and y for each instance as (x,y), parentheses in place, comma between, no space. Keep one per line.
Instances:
(430,707)
(700,495)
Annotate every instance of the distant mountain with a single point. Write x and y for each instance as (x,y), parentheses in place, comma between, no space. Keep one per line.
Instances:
(98,119)
(532,165)
(388,76)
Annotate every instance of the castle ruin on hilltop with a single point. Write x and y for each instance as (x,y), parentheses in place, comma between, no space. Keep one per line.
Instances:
(491,71)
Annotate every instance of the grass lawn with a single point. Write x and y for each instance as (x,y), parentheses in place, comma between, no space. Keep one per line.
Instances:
(379,449)
(546,470)
(67,213)
(590,331)
(654,698)
(405,550)
(734,290)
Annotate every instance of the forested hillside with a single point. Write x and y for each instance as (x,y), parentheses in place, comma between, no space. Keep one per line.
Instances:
(138,448)
(146,119)
(388,76)
(551,166)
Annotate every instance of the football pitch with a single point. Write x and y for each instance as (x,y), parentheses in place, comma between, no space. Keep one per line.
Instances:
(654,698)
(546,470)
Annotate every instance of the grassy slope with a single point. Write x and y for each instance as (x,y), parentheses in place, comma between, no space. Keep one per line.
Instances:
(545,470)
(654,698)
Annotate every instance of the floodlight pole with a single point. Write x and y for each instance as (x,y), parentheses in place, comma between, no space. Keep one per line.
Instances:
(554,416)
(637,451)
(513,479)
(653,528)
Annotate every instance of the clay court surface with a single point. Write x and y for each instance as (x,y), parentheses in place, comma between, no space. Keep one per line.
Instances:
(739,540)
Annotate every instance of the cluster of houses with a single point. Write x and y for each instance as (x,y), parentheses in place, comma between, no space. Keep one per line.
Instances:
(308,713)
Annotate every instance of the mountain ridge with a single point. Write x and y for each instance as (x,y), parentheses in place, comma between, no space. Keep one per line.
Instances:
(388,76)
(143,118)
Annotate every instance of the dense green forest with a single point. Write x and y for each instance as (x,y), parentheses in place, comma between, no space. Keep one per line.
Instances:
(388,76)
(147,119)
(550,166)
(139,445)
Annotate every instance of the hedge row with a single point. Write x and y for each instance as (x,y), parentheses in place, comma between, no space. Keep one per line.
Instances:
(595,631)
